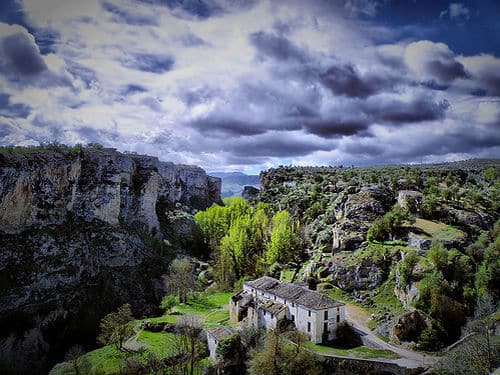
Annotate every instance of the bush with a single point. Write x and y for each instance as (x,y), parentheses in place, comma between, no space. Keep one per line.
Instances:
(168,302)
(428,340)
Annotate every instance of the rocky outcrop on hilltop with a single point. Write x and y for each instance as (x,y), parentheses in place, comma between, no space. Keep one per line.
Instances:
(83,231)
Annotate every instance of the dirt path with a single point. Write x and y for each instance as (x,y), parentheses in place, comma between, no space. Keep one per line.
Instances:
(358,318)
(132,345)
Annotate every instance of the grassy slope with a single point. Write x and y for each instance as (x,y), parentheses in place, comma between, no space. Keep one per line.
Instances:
(359,352)
(106,360)
(439,231)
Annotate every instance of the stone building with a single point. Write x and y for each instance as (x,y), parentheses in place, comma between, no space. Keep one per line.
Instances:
(265,301)
(214,336)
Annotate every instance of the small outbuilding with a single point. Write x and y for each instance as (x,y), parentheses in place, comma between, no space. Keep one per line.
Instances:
(214,336)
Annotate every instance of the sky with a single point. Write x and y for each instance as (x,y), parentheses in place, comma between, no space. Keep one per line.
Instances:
(245,85)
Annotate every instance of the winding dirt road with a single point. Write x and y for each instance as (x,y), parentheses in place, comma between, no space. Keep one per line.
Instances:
(358,318)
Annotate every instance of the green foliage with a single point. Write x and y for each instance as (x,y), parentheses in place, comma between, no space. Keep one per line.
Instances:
(492,174)
(438,256)
(405,268)
(386,227)
(278,356)
(486,252)
(168,302)
(214,222)
(429,205)
(115,327)
(284,244)
(429,340)
(230,349)
(238,235)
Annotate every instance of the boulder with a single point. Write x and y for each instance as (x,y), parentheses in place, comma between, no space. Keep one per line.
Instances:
(408,326)
(410,200)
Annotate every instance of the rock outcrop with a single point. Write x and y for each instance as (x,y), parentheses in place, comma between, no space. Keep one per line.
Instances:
(82,232)
(355,210)
(408,327)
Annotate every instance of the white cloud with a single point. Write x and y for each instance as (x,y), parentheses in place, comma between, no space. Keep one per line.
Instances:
(215,79)
(456,11)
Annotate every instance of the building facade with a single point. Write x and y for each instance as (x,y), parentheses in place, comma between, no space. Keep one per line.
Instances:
(265,301)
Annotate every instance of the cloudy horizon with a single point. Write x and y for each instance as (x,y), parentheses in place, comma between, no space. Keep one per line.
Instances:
(247,85)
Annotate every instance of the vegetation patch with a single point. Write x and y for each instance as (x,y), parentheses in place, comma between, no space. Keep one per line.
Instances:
(358,352)
(438,231)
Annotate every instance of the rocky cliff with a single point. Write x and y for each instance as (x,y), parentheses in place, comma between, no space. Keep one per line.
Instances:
(83,230)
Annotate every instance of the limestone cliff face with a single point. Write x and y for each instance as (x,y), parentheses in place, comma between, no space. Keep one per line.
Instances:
(82,232)
(39,189)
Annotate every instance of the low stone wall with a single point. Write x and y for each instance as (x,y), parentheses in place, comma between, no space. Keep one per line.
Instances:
(355,366)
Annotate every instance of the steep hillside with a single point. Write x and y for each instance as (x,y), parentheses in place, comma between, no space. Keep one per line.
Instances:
(396,238)
(83,230)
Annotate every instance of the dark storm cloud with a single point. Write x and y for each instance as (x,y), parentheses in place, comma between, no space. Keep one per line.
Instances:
(8,109)
(272,145)
(132,17)
(227,127)
(399,112)
(450,143)
(277,47)
(23,65)
(20,56)
(447,71)
(345,80)
(149,63)
(334,127)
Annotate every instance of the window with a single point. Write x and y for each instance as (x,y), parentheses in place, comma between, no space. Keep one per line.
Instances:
(293,304)
(264,312)
(272,315)
(274,298)
(338,318)
(293,318)
(308,326)
(325,327)
(309,313)
(326,314)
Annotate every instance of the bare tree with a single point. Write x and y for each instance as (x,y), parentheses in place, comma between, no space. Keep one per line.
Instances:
(181,279)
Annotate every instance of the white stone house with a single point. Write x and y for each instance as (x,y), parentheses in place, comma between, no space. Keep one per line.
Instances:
(213,338)
(264,301)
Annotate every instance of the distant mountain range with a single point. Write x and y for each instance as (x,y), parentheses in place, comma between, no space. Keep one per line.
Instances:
(233,182)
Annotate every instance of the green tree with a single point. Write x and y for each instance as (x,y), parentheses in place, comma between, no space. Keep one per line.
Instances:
(279,356)
(284,243)
(214,223)
(429,205)
(438,256)
(115,327)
